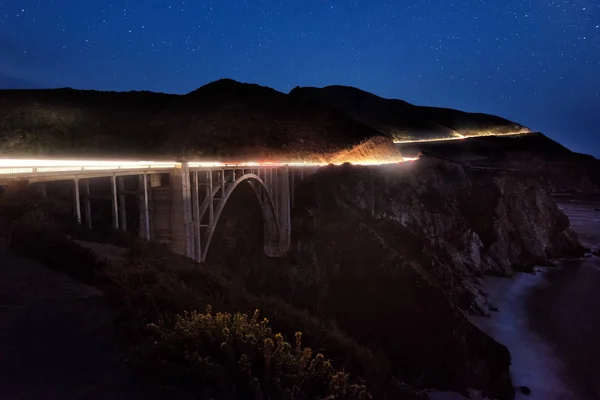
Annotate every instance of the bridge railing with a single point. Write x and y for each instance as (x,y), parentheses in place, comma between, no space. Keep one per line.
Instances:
(10,168)
(45,169)
(17,167)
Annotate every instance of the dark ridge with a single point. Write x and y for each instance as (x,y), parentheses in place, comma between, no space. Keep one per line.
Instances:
(223,119)
(560,169)
(403,120)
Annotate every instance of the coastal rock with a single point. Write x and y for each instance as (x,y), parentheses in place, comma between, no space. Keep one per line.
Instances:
(559,169)
(472,222)
(393,255)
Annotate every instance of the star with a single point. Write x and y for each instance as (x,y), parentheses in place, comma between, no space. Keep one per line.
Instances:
(489,58)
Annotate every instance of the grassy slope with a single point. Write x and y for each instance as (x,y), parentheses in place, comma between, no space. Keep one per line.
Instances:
(404,120)
(222,119)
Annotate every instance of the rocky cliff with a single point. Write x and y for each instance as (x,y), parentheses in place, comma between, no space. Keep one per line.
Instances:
(559,169)
(393,255)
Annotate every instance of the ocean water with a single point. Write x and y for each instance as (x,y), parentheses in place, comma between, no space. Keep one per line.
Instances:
(550,320)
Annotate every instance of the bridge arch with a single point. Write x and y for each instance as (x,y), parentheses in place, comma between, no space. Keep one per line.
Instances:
(264,194)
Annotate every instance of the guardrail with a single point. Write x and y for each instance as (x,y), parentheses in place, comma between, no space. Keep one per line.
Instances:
(10,168)
(37,167)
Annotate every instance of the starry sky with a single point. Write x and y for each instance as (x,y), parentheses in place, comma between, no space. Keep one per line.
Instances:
(533,61)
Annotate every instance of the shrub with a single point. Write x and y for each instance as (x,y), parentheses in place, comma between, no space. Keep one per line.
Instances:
(39,235)
(239,351)
(41,228)
(21,199)
(230,355)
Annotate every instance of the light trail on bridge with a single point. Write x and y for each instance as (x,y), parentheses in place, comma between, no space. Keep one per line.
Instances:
(12,166)
(15,166)
(197,192)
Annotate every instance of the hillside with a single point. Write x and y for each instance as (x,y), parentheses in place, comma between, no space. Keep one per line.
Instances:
(405,121)
(558,168)
(223,119)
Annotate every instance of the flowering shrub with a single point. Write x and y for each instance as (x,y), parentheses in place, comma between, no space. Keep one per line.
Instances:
(240,351)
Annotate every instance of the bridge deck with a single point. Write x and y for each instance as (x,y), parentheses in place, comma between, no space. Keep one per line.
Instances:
(52,170)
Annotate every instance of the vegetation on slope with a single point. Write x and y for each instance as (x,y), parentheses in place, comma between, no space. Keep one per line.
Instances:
(390,254)
(558,168)
(199,328)
(403,120)
(224,120)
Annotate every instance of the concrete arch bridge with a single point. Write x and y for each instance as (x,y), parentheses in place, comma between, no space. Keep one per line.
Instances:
(175,203)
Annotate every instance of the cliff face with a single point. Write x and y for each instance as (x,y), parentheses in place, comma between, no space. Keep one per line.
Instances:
(393,255)
(470,222)
(559,169)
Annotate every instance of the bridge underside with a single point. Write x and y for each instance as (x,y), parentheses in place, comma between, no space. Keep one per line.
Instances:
(199,197)
(180,207)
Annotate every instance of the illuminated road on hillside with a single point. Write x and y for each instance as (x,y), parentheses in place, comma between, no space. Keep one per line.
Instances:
(17,166)
(459,137)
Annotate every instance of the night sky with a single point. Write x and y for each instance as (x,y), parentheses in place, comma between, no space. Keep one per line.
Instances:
(536,62)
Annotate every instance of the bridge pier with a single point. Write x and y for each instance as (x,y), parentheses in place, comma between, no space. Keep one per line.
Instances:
(115,204)
(76,200)
(181,218)
(197,199)
(122,204)
(144,231)
(284,206)
(87,204)
(184,211)
(196,213)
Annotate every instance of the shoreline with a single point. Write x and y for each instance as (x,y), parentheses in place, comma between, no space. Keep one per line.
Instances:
(565,311)
(535,363)
(550,320)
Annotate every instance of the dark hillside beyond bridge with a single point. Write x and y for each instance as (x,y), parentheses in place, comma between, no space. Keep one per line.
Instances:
(177,204)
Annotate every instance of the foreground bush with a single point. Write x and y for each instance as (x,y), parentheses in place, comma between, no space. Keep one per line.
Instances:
(240,352)
(151,287)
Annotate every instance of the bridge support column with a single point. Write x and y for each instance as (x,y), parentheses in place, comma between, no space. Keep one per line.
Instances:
(282,196)
(210,194)
(115,206)
(187,209)
(88,204)
(76,199)
(145,212)
(122,203)
(196,214)
(292,186)
(181,218)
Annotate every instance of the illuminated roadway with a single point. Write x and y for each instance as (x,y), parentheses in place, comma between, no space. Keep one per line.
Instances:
(31,168)
(460,137)
(196,194)
(22,168)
